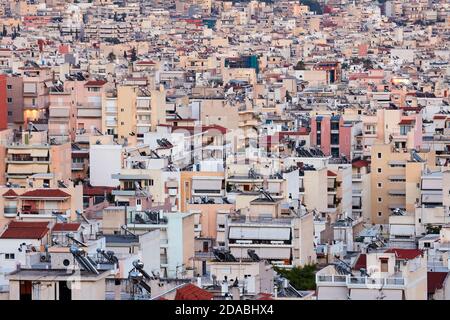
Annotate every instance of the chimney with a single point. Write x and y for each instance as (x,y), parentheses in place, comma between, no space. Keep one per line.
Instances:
(224,286)
(199,281)
(235,293)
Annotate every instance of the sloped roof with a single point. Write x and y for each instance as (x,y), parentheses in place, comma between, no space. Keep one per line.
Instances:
(46,193)
(405,254)
(25,230)
(60,227)
(435,281)
(192,292)
(10,194)
(361,263)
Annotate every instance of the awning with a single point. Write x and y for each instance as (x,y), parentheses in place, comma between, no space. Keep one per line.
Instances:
(432,198)
(19,151)
(210,184)
(39,153)
(20,169)
(397,162)
(262,233)
(40,168)
(397,192)
(263,253)
(402,230)
(397,178)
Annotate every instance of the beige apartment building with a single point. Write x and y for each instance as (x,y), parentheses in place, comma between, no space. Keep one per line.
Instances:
(130,111)
(40,204)
(395,179)
(33,162)
(393,274)
(282,237)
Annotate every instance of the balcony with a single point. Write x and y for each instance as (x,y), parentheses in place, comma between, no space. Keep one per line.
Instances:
(370,134)
(77,166)
(43,213)
(351,281)
(28,160)
(10,212)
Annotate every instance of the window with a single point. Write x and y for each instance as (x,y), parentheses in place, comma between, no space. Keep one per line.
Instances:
(334,125)
(10,100)
(427,245)
(10,256)
(138,202)
(10,113)
(379,155)
(384,264)
(379,184)
(335,138)
(379,213)
(9,87)
(380,199)
(379,170)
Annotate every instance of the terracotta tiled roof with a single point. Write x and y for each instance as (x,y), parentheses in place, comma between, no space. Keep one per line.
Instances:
(405,254)
(331,174)
(10,194)
(265,296)
(95,83)
(360,164)
(435,281)
(25,230)
(46,193)
(192,292)
(96,191)
(60,227)
(406,121)
(361,262)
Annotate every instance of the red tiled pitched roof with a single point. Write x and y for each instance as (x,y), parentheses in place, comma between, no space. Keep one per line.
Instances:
(66,227)
(405,254)
(435,281)
(192,292)
(10,194)
(331,174)
(46,193)
(265,296)
(361,263)
(360,164)
(96,191)
(95,83)
(25,230)
(406,121)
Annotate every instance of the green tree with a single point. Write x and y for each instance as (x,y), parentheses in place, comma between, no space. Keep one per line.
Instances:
(133,57)
(300,66)
(301,278)
(111,57)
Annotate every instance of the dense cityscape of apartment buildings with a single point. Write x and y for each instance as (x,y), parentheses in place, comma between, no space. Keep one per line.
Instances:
(211,150)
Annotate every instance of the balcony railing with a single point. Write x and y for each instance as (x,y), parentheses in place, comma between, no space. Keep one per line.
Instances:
(26,212)
(10,211)
(350,280)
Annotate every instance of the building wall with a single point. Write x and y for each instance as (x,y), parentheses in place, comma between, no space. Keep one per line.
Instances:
(315,183)
(16,106)
(3,103)
(105,160)
(208,217)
